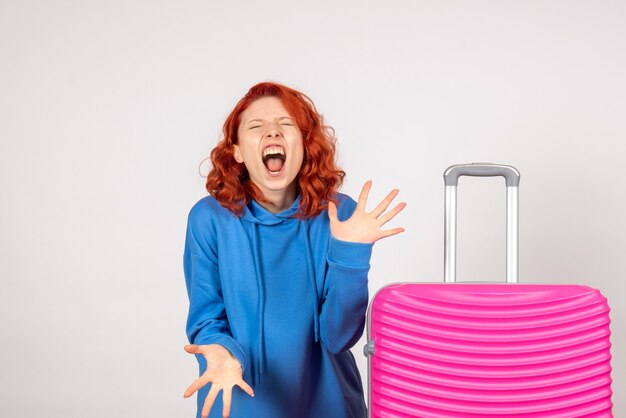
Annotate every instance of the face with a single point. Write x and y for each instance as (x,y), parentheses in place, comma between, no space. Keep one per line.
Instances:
(270,145)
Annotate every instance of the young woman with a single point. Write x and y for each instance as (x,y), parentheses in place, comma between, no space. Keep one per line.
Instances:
(276,263)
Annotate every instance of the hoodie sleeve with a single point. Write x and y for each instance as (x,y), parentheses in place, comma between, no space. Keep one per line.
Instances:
(206,321)
(345,296)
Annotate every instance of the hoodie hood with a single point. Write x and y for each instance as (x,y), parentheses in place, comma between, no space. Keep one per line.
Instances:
(257,214)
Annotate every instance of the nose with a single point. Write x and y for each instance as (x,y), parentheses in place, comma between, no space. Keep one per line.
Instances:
(273,131)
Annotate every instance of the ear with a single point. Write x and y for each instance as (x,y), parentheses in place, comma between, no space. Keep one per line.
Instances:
(237,154)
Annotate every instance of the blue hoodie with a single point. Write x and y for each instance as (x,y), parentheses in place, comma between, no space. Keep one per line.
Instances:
(287,299)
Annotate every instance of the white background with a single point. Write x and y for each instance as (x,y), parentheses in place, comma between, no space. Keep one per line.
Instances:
(108,108)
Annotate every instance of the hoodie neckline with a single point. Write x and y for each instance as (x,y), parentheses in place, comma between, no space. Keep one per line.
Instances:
(255,213)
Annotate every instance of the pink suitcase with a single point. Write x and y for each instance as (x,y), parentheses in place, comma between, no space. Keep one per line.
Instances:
(467,350)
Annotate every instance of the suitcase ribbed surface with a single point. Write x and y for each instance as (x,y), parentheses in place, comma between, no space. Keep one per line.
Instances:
(490,350)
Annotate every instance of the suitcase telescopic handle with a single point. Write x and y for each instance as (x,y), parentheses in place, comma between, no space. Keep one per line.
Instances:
(451,178)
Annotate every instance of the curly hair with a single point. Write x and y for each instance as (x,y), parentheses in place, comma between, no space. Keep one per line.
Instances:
(319,178)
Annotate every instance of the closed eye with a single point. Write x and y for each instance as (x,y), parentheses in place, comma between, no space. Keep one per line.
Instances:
(255,126)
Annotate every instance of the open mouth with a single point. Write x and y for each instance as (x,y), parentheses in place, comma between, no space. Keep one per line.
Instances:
(274,158)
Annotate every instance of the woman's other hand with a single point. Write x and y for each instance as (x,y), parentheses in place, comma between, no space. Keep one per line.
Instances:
(362,226)
(223,372)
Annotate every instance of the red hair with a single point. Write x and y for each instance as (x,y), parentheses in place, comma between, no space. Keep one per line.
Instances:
(319,178)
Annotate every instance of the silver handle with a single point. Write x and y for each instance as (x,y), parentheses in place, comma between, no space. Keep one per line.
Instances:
(512,177)
(510,174)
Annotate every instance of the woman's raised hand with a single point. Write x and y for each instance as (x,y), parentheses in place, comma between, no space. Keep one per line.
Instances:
(362,226)
(223,372)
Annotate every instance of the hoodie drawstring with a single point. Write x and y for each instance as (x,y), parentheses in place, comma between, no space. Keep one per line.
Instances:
(303,226)
(311,274)
(261,306)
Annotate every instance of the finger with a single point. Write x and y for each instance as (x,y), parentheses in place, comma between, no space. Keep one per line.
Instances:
(391,214)
(390,232)
(197,384)
(365,191)
(245,387)
(227,396)
(193,349)
(208,402)
(385,203)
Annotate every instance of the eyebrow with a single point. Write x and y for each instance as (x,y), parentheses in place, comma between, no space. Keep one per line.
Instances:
(261,120)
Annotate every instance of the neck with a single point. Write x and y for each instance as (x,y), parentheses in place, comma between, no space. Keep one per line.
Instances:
(278,201)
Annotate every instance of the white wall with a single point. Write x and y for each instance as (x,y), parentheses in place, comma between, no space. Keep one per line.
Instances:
(107,108)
